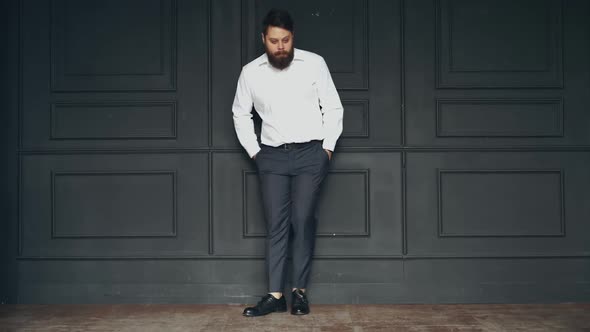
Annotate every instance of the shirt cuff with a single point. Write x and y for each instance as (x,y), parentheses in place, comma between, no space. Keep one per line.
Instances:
(329,145)
(252,151)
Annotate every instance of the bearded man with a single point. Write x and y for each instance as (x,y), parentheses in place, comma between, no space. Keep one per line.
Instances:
(293,92)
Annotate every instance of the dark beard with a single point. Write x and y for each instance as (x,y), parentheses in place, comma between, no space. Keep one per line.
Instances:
(280,62)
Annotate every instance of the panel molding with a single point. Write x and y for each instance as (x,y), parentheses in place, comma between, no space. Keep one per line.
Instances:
(447,76)
(319,257)
(365,127)
(367,223)
(106,104)
(350,149)
(164,80)
(452,64)
(440,230)
(558,130)
(172,173)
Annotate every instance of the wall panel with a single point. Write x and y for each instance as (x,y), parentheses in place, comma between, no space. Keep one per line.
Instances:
(114,74)
(359,213)
(497,203)
(476,49)
(461,174)
(366,67)
(110,205)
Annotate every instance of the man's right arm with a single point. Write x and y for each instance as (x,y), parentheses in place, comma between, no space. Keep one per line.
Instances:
(242,115)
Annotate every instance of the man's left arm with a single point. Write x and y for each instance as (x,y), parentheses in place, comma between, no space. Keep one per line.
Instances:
(332,109)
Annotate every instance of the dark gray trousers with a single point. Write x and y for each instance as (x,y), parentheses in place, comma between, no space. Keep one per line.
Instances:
(290,181)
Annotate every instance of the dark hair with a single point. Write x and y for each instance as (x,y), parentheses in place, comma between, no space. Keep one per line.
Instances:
(277,18)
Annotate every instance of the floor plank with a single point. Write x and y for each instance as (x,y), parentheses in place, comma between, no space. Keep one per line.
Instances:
(357,318)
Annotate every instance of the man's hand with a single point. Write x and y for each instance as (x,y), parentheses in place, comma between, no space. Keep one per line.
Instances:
(329,154)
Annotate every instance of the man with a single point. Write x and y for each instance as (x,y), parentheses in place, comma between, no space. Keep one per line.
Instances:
(301,113)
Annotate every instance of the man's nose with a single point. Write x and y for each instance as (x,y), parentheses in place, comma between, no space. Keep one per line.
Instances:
(281,45)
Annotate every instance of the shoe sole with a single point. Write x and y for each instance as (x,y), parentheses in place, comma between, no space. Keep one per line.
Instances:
(280,310)
(298,313)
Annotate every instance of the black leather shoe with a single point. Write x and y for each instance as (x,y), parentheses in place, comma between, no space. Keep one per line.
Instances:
(299,303)
(267,305)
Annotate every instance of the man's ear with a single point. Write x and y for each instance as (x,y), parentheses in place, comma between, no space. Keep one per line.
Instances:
(262,36)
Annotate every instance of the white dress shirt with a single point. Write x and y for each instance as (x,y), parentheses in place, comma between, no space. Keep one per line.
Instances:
(288,102)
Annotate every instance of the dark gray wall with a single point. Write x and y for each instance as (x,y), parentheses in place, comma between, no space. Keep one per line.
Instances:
(461,176)
(8,147)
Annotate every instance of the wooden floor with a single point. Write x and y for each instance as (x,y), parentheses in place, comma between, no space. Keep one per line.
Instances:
(414,317)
